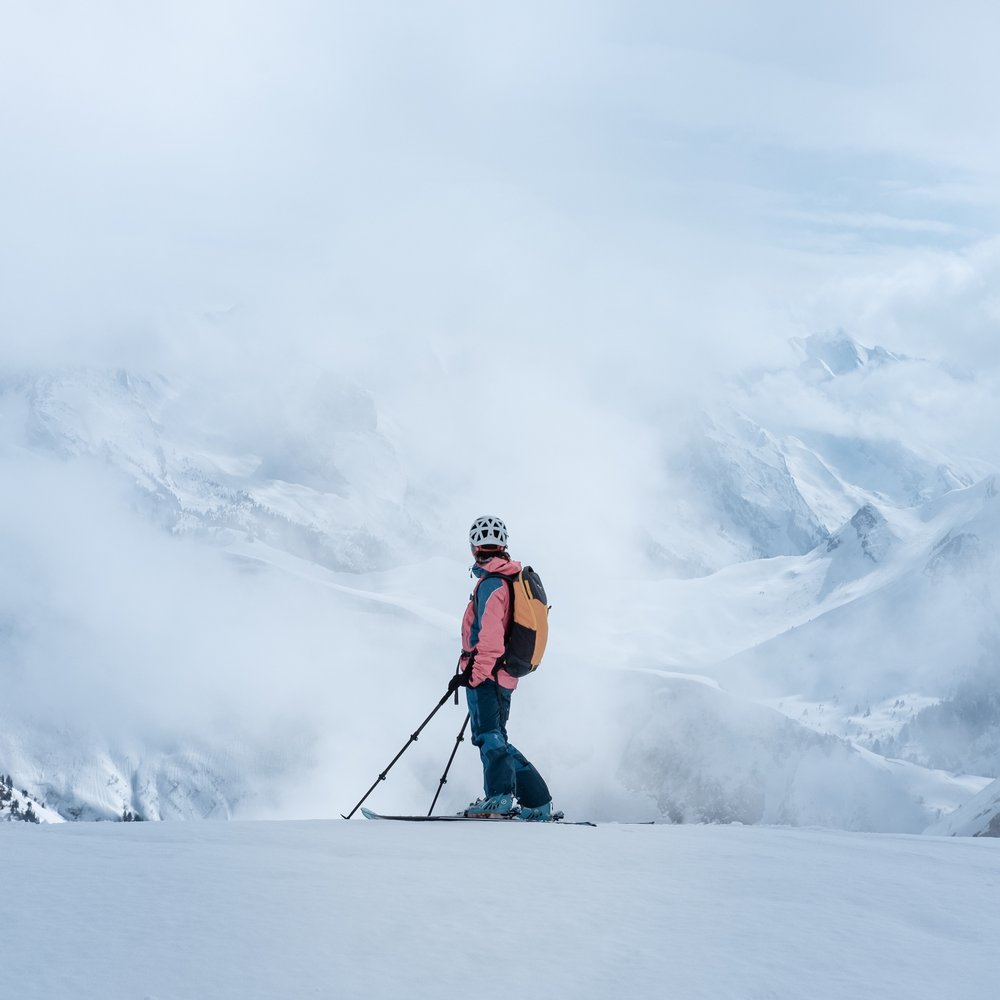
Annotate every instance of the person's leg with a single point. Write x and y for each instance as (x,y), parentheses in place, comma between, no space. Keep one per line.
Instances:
(529,786)
(488,712)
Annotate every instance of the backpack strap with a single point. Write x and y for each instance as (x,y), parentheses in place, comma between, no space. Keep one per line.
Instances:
(509,580)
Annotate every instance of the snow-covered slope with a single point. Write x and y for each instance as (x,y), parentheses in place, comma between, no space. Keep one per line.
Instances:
(893,613)
(706,756)
(979,817)
(254,911)
(881,638)
(17,805)
(738,475)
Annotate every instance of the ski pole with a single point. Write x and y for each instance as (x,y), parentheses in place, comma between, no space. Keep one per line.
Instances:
(444,777)
(413,739)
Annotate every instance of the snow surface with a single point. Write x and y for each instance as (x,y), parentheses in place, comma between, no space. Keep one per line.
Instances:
(244,910)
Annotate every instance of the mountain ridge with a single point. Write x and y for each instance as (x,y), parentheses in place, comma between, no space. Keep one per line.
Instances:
(796,543)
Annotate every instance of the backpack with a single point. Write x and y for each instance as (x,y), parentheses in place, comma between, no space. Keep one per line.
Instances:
(529,623)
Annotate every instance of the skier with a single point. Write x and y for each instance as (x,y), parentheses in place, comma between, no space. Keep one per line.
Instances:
(507,774)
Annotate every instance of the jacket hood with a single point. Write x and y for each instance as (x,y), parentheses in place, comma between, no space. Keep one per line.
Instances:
(508,567)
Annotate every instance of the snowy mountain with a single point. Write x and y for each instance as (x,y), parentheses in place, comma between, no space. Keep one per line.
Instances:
(705,755)
(16,805)
(106,625)
(786,458)
(203,595)
(828,356)
(738,475)
(320,481)
(979,817)
(877,631)
(882,638)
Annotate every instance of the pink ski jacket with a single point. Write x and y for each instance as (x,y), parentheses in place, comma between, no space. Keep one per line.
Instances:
(485,623)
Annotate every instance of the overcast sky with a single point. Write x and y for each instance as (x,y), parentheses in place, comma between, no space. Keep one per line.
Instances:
(595,207)
(621,179)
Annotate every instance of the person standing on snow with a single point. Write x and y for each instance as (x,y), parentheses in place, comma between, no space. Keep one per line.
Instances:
(507,774)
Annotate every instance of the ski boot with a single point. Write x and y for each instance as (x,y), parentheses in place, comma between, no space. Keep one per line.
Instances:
(537,814)
(495,805)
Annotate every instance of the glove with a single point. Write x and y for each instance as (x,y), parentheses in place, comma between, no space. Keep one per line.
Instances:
(460,679)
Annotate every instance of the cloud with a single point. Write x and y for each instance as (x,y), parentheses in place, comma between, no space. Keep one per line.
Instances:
(940,304)
(626,185)
(535,236)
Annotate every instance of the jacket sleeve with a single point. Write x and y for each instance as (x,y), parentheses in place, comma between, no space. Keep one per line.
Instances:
(488,628)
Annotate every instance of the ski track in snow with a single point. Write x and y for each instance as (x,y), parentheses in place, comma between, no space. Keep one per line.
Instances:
(179,911)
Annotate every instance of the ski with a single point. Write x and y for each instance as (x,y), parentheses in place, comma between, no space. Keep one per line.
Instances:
(557,818)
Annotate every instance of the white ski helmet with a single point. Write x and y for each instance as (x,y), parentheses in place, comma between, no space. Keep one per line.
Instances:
(488,531)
